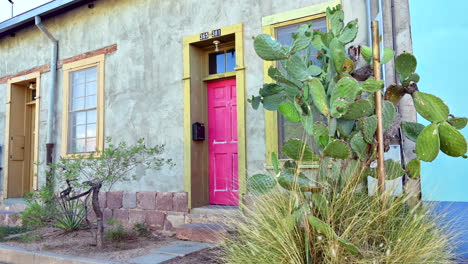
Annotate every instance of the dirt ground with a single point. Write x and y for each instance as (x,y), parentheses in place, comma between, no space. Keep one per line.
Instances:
(82,244)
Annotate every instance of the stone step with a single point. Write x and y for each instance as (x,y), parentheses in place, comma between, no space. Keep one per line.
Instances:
(13,205)
(9,218)
(199,232)
(213,214)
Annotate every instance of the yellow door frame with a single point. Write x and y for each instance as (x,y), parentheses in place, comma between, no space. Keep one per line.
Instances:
(37,77)
(237,31)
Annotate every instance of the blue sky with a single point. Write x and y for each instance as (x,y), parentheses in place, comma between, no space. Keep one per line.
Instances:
(20,6)
(440,35)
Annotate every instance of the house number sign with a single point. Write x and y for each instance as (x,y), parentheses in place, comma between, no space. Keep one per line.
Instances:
(214,33)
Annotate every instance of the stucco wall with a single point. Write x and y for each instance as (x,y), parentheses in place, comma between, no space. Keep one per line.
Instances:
(143,78)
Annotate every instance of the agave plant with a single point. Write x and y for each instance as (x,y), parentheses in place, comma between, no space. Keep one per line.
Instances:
(334,102)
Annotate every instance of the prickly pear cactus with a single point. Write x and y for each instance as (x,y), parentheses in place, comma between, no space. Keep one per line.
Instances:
(334,100)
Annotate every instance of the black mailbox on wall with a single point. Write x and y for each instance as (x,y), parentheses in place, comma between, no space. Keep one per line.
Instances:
(198,131)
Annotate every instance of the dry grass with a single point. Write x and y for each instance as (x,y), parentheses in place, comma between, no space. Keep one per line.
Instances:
(384,232)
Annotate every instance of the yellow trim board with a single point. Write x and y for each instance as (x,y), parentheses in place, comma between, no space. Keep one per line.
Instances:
(237,30)
(96,61)
(37,77)
(297,13)
(270,23)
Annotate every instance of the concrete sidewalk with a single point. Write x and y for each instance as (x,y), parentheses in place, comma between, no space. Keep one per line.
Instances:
(14,255)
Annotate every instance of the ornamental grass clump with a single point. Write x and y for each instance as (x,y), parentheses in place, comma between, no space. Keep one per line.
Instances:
(341,224)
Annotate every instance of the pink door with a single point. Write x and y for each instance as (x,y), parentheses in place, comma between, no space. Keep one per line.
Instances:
(222,140)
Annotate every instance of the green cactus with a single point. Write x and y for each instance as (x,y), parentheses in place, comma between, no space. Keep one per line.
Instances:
(359,146)
(270,49)
(372,85)
(261,183)
(345,127)
(358,109)
(338,54)
(288,110)
(337,149)
(344,93)
(349,32)
(368,126)
(452,142)
(272,102)
(320,135)
(388,114)
(387,55)
(428,143)
(411,130)
(458,122)
(301,40)
(430,107)
(414,77)
(405,65)
(275,162)
(366,53)
(413,169)
(296,68)
(393,169)
(289,181)
(319,97)
(297,150)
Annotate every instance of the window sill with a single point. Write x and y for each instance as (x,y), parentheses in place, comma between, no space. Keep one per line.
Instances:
(219,76)
(307,165)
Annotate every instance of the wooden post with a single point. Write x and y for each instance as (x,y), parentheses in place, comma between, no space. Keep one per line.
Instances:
(378,107)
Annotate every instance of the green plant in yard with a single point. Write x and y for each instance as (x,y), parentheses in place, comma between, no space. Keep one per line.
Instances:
(141,229)
(40,208)
(11,230)
(341,225)
(70,215)
(116,163)
(116,233)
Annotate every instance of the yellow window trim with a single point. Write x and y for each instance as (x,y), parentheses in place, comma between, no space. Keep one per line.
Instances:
(237,30)
(96,61)
(270,23)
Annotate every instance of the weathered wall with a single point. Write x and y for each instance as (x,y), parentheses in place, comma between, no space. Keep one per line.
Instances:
(143,78)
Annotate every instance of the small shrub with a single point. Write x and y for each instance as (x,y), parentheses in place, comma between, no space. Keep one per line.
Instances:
(141,229)
(40,209)
(7,230)
(70,215)
(116,233)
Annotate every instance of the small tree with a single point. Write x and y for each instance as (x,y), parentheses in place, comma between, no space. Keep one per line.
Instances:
(103,169)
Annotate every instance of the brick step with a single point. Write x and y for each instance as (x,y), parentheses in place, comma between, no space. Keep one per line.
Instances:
(199,232)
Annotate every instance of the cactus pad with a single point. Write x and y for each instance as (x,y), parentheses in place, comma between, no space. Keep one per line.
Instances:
(269,49)
(359,146)
(372,85)
(428,143)
(411,130)
(319,97)
(337,149)
(288,110)
(368,126)
(452,142)
(430,107)
(297,150)
(358,109)
(413,169)
(261,183)
(458,122)
(405,65)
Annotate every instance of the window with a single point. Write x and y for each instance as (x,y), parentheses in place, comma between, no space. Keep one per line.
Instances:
(286,129)
(83,104)
(222,61)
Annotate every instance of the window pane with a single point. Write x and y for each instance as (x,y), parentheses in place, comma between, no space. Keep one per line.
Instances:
(91,130)
(230,60)
(91,145)
(91,88)
(216,62)
(77,118)
(286,129)
(91,74)
(77,103)
(79,132)
(90,102)
(78,90)
(91,116)
(77,146)
(78,77)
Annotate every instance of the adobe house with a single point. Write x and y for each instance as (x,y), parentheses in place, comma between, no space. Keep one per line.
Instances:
(73,72)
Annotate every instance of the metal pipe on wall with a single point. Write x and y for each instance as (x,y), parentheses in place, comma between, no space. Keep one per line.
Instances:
(51,92)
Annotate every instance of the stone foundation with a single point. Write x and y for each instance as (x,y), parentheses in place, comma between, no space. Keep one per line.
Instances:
(159,211)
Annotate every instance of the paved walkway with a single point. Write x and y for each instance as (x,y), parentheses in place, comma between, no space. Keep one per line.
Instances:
(173,250)
(13,255)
